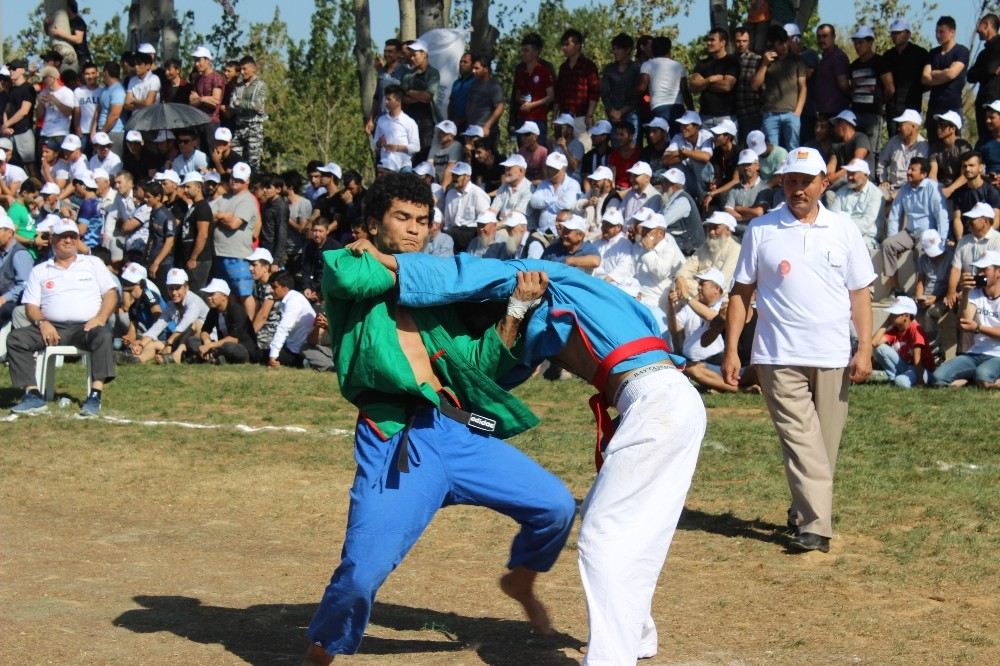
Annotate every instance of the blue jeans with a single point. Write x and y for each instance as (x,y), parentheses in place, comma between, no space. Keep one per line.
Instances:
(236,272)
(982,368)
(903,374)
(782,129)
(670,113)
(449,464)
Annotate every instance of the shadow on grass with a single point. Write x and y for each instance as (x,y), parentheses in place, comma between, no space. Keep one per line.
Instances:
(276,633)
(728,525)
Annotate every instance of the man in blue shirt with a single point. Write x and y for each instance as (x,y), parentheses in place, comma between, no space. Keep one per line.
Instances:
(110,102)
(15,266)
(920,199)
(572,249)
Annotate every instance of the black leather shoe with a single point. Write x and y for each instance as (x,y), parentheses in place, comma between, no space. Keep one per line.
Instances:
(806,541)
(793,528)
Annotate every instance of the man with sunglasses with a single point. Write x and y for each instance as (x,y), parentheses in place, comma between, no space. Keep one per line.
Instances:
(190,158)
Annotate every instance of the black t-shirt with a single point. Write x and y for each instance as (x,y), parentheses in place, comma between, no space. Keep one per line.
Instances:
(179,95)
(488,177)
(15,99)
(949,164)
(845,151)
(906,69)
(965,197)
(233,322)
(143,166)
(77,24)
(332,209)
(717,103)
(312,262)
(187,234)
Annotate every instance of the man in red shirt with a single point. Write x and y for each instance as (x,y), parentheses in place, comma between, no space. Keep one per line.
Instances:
(625,155)
(534,87)
(900,348)
(578,86)
(207,94)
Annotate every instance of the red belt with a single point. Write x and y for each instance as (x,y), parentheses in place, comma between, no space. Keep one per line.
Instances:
(599,404)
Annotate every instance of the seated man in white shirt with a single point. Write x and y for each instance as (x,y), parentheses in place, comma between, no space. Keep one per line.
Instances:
(68,300)
(463,204)
(861,200)
(689,318)
(617,257)
(297,317)
(690,150)
(104,157)
(515,192)
(657,260)
(522,244)
(489,241)
(556,193)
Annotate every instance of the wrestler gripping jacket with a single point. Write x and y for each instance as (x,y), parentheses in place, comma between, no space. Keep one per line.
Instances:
(361,299)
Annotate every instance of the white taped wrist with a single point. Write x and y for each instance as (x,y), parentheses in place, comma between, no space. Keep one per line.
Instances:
(517,308)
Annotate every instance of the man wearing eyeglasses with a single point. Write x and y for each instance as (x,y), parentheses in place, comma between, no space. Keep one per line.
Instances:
(189,159)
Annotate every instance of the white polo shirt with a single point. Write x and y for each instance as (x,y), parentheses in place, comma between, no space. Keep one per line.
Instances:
(694,327)
(140,88)
(988,316)
(70,294)
(804,275)
(461,208)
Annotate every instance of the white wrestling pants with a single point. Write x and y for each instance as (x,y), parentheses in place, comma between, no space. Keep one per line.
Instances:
(631,512)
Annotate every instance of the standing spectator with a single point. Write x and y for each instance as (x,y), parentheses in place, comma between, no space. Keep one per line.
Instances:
(533,152)
(989,144)
(871,84)
(811,60)
(77,35)
(980,315)
(484,104)
(534,87)
(920,201)
(144,87)
(390,73)
(74,311)
(463,204)
(110,102)
(900,347)
(228,323)
(19,116)
(189,158)
(945,72)
(831,89)
(55,104)
(294,326)
(974,189)
(715,78)
(206,94)
(274,219)
(665,80)
(515,192)
(861,200)
(248,111)
(985,70)
(231,73)
(193,245)
(895,158)
(578,86)
(946,153)
(556,193)
(905,61)
(420,86)
(85,111)
(159,250)
(746,102)
(396,133)
(808,293)
(236,225)
(619,81)
(781,77)
(460,88)
(177,90)
(299,213)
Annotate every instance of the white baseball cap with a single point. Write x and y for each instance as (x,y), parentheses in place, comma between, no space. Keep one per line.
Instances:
(474,130)
(641,215)
(134,273)
(164,135)
(563,119)
(50,188)
(223,134)
(134,136)
(3,155)
(556,161)
(990,258)
(981,209)
(425,168)
(515,219)
(654,221)
(213,177)
(727,126)
(993,106)
(899,24)
(169,174)
(486,217)
(528,127)
(601,173)
(461,169)
(241,171)
(747,156)
(447,127)
(574,223)
(723,218)
(713,274)
(690,118)
(515,160)
(864,32)
(201,52)
(331,168)
(193,177)
(805,160)
(931,243)
(216,285)
(658,123)
(99,173)
(640,168)
(757,142)
(910,116)
(903,305)
(675,176)
(62,225)
(418,45)
(71,142)
(5,222)
(177,276)
(261,254)
(847,116)
(792,30)
(613,216)
(858,166)
(88,181)
(950,117)
(146,47)
(601,128)
(101,139)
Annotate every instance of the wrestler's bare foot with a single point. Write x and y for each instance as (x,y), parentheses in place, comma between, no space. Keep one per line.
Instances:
(316,656)
(519,584)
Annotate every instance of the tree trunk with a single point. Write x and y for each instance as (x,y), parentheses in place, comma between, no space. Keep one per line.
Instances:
(484,35)
(363,55)
(144,24)
(430,15)
(170,29)
(805,11)
(56,10)
(407,19)
(718,15)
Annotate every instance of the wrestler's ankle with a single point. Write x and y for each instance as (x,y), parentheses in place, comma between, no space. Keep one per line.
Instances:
(316,656)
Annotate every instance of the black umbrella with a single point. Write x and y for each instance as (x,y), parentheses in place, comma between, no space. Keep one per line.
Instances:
(167,116)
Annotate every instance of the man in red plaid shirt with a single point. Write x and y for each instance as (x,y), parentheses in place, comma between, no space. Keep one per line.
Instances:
(578,87)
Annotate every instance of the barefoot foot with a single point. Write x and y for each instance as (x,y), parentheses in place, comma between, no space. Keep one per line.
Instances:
(519,586)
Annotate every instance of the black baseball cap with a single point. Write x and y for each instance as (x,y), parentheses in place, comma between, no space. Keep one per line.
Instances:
(17,63)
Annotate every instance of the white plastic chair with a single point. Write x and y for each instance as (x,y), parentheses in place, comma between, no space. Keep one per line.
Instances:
(51,358)
(4,332)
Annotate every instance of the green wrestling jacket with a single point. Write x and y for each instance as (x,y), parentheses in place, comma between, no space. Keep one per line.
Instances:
(360,298)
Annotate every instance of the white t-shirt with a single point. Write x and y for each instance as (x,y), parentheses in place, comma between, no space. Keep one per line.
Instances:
(112,163)
(804,275)
(694,327)
(987,315)
(14,174)
(86,101)
(140,88)
(665,77)
(70,294)
(55,123)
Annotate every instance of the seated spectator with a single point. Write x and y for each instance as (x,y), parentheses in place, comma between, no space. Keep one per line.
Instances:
(900,347)
(920,201)
(980,315)
(720,250)
(291,337)
(823,141)
(982,238)
(15,268)
(439,243)
(657,260)
(600,153)
(615,250)
(641,193)
(312,258)
(933,268)
(317,353)
(72,312)
(19,212)
(895,158)
(974,189)
(228,322)
(224,158)
(989,145)
(739,201)
(445,151)
(770,156)
(572,249)
(189,157)
(142,305)
(657,135)
(556,193)
(601,198)
(183,316)
(680,213)
(463,203)
(520,243)
(532,151)
(946,152)
(487,172)
(104,157)
(853,145)
(690,150)
(861,200)
(11,177)
(625,155)
(515,191)
(563,142)
(488,241)
(725,162)
(88,216)
(138,160)
(265,315)
(689,319)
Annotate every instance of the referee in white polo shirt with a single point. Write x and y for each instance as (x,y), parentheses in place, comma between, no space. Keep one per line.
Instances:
(68,300)
(811,270)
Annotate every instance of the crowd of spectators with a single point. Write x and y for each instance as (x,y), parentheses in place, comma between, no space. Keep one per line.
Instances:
(641,173)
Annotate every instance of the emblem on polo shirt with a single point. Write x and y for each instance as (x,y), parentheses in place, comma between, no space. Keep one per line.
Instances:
(785,267)
(535,78)
(50,284)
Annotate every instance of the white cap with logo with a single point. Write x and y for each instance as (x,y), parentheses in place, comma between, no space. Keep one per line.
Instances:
(574,223)
(515,160)
(176,276)
(601,173)
(903,305)
(981,209)
(261,254)
(931,243)
(723,218)
(805,160)
(217,285)
(241,171)
(713,274)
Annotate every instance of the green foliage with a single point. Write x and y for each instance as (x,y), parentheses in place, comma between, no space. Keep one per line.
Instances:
(109,43)
(878,14)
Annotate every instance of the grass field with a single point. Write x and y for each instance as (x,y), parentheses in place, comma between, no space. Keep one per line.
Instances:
(124,542)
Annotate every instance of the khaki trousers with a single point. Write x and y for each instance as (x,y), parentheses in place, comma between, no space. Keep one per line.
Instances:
(809,409)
